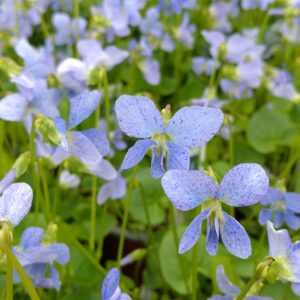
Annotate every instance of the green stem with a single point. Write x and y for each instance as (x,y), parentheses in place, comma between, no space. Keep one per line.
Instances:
(34,175)
(76,16)
(93,213)
(176,241)
(57,192)
(257,275)
(25,279)
(194,274)
(85,252)
(9,281)
(125,217)
(46,190)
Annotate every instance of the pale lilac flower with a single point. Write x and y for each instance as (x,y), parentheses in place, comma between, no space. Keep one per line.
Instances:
(243,185)
(283,207)
(37,259)
(191,127)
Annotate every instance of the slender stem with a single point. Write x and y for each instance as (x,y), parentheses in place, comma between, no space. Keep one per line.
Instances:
(57,193)
(25,279)
(125,217)
(9,281)
(255,277)
(1,141)
(93,213)
(76,16)
(46,190)
(85,252)
(94,194)
(34,176)
(194,274)
(176,241)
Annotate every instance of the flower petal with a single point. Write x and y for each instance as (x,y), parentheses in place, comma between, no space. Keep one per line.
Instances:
(103,169)
(157,167)
(224,283)
(81,147)
(178,157)
(31,237)
(243,185)
(194,126)
(136,153)
(188,188)
(292,220)
(279,241)
(110,284)
(15,202)
(192,233)
(82,106)
(271,196)
(292,201)
(138,116)
(212,236)
(264,216)
(12,107)
(235,237)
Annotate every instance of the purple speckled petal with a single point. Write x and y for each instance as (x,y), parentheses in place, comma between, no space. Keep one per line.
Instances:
(178,157)
(188,188)
(292,201)
(31,237)
(157,166)
(193,126)
(15,202)
(271,196)
(243,185)
(235,237)
(212,236)
(138,116)
(264,216)
(292,220)
(279,241)
(136,153)
(224,283)
(192,233)
(12,107)
(82,106)
(110,284)
(81,147)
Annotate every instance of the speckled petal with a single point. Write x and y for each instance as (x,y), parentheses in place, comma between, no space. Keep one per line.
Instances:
(81,147)
(110,284)
(188,188)
(279,241)
(235,237)
(82,106)
(136,153)
(157,167)
(264,216)
(194,126)
(292,220)
(31,237)
(15,202)
(243,185)
(224,283)
(138,116)
(178,157)
(292,201)
(98,139)
(192,233)
(212,236)
(12,107)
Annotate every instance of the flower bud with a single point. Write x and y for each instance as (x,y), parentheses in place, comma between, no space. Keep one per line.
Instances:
(50,235)
(47,128)
(22,163)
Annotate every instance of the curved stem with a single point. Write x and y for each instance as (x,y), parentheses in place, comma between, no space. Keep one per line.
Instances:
(9,281)
(24,277)
(93,212)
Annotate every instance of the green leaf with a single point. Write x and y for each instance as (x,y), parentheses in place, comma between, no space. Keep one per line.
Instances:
(268,129)
(9,66)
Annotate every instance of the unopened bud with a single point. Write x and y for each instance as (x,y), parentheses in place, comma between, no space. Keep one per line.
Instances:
(47,128)
(166,114)
(22,163)
(50,236)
